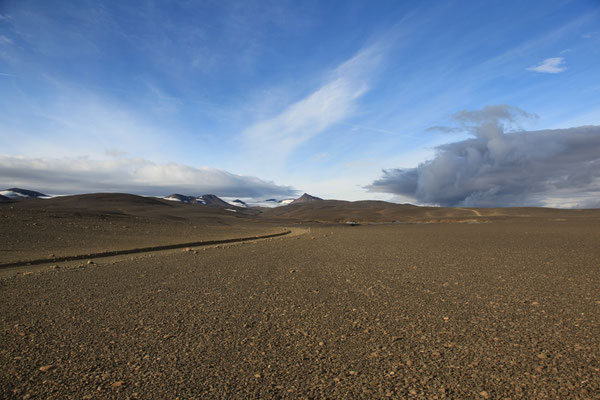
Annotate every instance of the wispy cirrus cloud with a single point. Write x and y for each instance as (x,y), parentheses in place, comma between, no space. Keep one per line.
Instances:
(310,116)
(552,65)
(130,175)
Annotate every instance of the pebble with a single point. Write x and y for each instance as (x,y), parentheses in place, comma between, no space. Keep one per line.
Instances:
(46,368)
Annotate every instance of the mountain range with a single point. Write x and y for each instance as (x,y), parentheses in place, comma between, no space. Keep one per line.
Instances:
(13,194)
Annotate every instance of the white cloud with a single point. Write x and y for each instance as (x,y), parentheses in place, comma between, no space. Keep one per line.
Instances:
(277,137)
(131,175)
(552,65)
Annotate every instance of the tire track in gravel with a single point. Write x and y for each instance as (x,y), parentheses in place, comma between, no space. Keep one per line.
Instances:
(39,261)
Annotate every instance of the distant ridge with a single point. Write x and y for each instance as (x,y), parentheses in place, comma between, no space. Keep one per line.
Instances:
(207,199)
(4,199)
(239,203)
(16,193)
(306,198)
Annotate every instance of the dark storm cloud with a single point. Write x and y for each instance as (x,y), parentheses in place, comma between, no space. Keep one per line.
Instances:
(82,175)
(501,167)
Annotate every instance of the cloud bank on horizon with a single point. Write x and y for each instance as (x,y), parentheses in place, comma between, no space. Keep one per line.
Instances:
(502,165)
(130,175)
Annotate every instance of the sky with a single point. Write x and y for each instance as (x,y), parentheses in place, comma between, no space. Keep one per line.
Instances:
(452,103)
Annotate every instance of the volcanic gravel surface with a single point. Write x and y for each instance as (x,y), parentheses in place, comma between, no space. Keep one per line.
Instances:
(503,310)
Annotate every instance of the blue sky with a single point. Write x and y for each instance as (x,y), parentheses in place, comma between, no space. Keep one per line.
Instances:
(261,98)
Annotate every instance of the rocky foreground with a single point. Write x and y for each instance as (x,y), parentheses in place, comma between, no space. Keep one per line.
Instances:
(502,310)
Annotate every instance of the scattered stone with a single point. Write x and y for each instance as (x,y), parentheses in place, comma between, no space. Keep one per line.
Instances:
(542,356)
(118,384)
(413,392)
(46,368)
(27,273)
(90,262)
(484,394)
(54,267)
(257,375)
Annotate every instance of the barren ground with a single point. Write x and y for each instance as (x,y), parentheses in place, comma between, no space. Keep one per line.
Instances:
(504,309)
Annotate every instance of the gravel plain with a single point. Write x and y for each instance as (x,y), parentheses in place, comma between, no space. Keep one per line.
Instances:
(503,310)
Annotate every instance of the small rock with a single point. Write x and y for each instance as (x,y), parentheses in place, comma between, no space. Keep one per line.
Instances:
(118,384)
(542,356)
(90,262)
(484,394)
(46,368)
(257,375)
(413,392)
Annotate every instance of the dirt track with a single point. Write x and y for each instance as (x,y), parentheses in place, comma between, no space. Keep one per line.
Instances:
(501,310)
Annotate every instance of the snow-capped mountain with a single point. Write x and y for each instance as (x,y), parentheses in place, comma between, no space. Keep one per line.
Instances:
(184,199)
(207,199)
(238,203)
(286,202)
(17,193)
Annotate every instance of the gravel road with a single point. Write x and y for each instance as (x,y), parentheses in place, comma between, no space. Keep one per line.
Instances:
(504,310)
